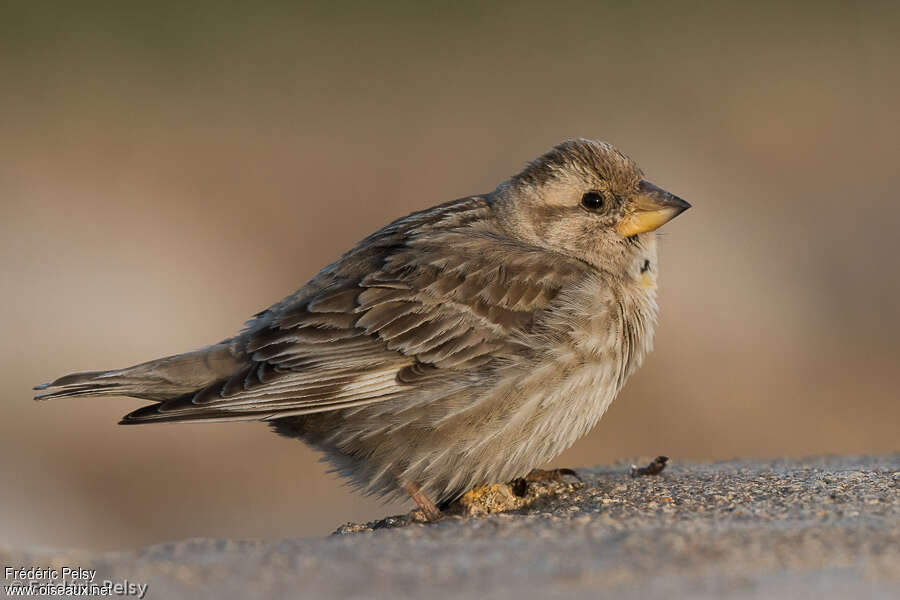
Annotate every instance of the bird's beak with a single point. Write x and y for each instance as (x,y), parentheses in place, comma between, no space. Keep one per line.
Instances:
(651,208)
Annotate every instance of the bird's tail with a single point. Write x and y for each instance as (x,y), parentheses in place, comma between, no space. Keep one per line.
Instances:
(158,380)
(87,383)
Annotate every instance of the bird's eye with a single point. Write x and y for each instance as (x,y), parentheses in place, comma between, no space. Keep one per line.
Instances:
(592,201)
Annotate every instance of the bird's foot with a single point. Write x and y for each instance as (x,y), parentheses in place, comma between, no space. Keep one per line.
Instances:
(391,522)
(514,495)
(486,499)
(520,485)
(532,490)
(426,513)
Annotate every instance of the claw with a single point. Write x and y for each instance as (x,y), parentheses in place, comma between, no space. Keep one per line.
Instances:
(520,486)
(551,475)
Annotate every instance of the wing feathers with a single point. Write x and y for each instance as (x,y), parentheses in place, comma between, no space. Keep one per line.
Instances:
(423,302)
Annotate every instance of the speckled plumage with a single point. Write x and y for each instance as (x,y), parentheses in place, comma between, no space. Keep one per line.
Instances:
(460,345)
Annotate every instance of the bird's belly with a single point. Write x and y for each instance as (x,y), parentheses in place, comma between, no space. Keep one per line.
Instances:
(529,421)
(493,435)
(566,407)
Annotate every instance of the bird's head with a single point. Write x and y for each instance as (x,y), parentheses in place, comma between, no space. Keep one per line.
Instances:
(587,200)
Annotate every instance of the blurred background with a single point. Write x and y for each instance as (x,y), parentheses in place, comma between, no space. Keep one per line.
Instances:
(168,169)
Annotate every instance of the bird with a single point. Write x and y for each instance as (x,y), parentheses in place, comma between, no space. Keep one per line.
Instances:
(459,346)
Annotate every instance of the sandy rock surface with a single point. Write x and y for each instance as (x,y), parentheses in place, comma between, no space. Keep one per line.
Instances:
(818,528)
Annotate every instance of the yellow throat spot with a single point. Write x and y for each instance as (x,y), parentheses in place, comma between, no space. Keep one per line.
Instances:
(648,280)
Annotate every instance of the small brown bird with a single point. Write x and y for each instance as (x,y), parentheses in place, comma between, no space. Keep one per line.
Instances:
(461,345)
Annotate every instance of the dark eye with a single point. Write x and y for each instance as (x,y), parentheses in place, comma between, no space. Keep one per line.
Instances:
(592,201)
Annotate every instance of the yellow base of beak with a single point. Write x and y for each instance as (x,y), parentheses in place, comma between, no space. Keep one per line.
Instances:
(641,222)
(650,208)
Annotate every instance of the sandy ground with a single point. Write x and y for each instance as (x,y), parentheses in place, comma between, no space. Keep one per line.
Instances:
(814,528)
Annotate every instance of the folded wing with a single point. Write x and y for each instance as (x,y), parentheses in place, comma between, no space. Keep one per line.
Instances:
(420,306)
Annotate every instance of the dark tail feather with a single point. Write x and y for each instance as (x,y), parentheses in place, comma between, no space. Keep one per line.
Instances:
(114,383)
(152,414)
(161,379)
(89,383)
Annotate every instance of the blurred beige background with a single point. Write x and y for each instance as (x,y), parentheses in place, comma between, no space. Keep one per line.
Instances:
(169,169)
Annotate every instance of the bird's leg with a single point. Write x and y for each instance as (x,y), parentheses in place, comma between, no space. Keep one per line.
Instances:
(429,509)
